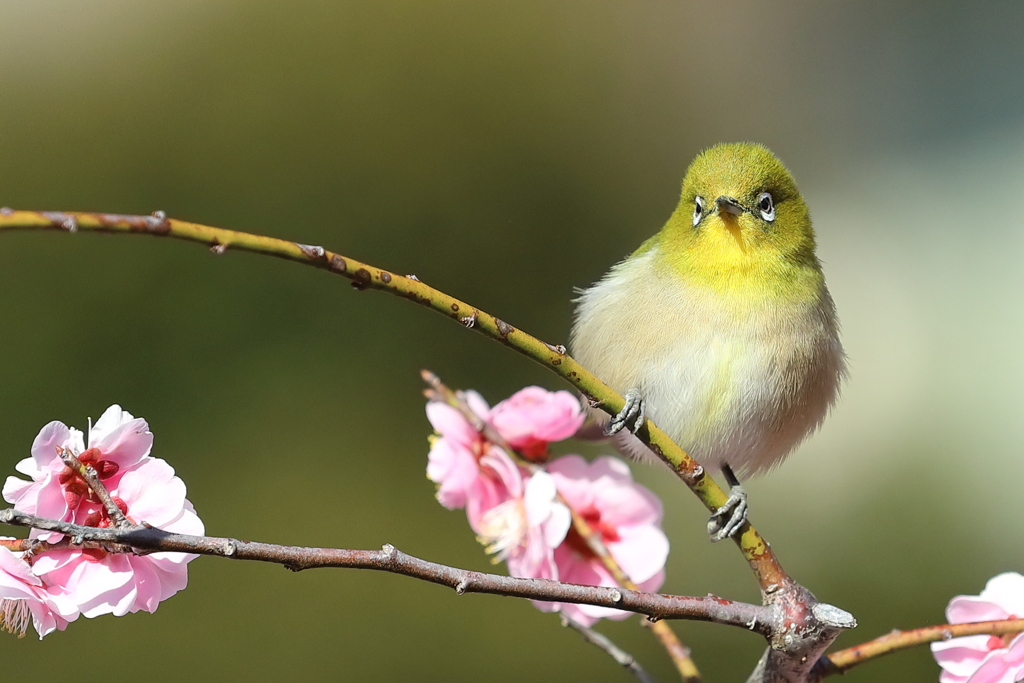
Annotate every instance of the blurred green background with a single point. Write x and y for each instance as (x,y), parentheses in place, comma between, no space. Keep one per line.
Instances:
(505,153)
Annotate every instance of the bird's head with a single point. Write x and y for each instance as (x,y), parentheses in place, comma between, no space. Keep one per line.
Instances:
(740,212)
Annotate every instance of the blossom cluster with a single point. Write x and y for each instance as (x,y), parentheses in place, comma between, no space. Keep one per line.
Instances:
(982,658)
(56,582)
(521,505)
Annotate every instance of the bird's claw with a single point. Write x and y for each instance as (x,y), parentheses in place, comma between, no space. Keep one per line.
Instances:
(630,418)
(727,520)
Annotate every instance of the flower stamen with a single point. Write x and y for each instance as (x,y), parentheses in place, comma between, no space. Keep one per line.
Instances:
(14,616)
(503,528)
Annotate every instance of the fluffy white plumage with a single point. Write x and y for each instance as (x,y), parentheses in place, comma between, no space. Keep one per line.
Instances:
(739,383)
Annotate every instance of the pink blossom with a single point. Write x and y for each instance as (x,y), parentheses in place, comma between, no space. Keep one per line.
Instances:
(628,517)
(471,473)
(517,517)
(533,417)
(118,442)
(981,658)
(24,596)
(524,529)
(453,461)
(92,581)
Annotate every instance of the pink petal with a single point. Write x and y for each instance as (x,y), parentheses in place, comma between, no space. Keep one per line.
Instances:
(641,552)
(152,492)
(50,503)
(551,518)
(570,473)
(16,575)
(477,404)
(455,469)
(1007,591)
(450,423)
(995,669)
(15,489)
(961,656)
(631,505)
(44,447)
(533,562)
(507,470)
(967,608)
(121,438)
(534,414)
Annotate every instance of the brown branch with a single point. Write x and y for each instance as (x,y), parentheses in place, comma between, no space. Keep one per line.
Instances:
(390,559)
(844,660)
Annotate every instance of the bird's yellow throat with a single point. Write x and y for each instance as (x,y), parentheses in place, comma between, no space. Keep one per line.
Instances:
(732,248)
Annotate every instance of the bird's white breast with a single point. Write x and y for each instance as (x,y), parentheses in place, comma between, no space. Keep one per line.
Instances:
(736,385)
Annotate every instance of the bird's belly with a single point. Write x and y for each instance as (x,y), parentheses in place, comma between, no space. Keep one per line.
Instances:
(734,400)
(742,389)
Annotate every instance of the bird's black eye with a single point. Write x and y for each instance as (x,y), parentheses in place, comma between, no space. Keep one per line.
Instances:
(766,206)
(698,210)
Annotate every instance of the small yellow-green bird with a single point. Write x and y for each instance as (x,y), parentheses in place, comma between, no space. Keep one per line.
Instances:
(720,328)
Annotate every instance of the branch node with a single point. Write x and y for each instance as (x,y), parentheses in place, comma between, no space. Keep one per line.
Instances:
(157,223)
(830,615)
(557,348)
(462,586)
(469,321)
(617,596)
(230,548)
(70,224)
(413,277)
(6,210)
(218,249)
(312,252)
(390,551)
(361,278)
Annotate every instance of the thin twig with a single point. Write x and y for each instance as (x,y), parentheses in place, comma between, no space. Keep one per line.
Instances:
(620,656)
(390,559)
(844,660)
(677,652)
(770,575)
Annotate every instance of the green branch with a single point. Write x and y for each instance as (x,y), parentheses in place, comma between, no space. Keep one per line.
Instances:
(758,554)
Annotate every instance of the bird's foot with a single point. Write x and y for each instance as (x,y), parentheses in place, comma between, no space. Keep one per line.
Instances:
(630,418)
(727,520)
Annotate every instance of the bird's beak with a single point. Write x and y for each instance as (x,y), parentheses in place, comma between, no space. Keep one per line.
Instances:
(729,205)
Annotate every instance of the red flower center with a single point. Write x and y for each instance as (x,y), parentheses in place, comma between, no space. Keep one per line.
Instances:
(101,518)
(75,488)
(592,516)
(534,450)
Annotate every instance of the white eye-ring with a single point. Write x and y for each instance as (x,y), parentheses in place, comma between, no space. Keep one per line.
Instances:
(698,210)
(766,206)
